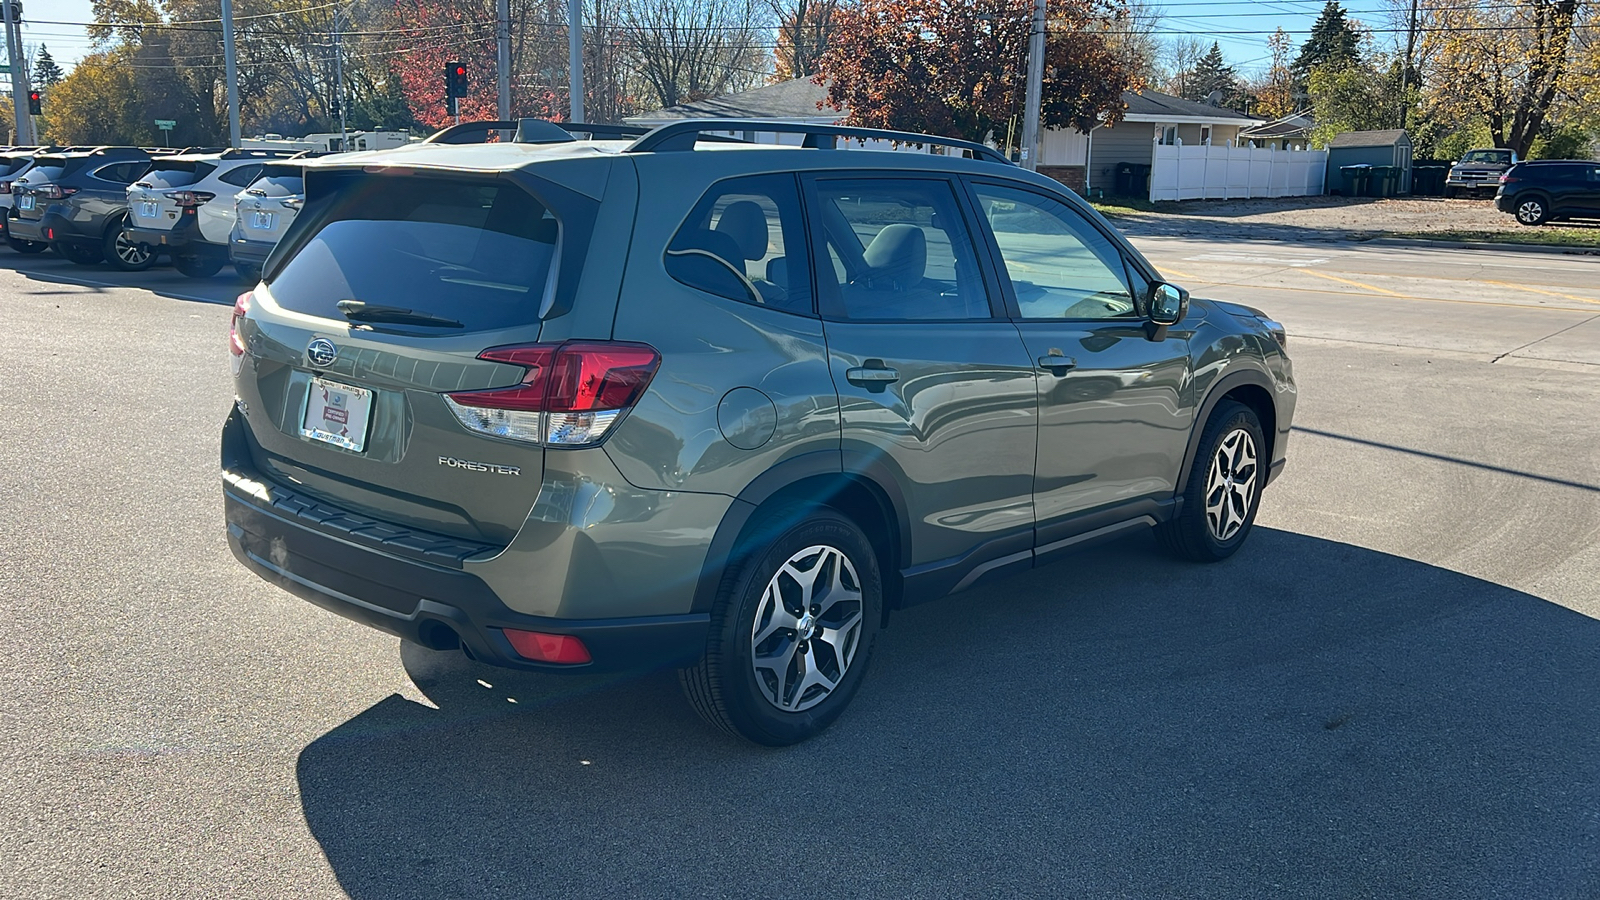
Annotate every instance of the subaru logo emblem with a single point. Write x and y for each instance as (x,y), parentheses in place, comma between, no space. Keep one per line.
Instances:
(321,353)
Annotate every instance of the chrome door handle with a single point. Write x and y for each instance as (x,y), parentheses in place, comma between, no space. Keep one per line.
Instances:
(871,374)
(1058,365)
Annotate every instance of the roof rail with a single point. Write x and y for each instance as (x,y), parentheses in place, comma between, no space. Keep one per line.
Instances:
(478,132)
(683,136)
(255,153)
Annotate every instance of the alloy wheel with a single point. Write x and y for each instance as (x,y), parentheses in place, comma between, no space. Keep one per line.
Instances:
(1530,212)
(807,628)
(130,253)
(1231,484)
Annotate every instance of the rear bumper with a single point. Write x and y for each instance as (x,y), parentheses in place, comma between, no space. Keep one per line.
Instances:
(389,585)
(184,235)
(251,253)
(36,229)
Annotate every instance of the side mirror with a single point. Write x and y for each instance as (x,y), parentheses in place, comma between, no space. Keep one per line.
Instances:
(1168,304)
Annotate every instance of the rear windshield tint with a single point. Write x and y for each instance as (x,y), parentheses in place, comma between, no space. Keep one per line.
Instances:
(46,171)
(13,165)
(177,174)
(476,252)
(278,182)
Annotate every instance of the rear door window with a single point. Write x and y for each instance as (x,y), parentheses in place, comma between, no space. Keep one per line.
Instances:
(479,253)
(745,241)
(121,173)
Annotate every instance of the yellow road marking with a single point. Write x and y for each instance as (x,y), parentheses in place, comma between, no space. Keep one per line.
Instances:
(1301,290)
(1185,275)
(1358,284)
(1523,287)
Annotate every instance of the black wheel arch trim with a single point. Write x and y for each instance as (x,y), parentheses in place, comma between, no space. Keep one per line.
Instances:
(842,464)
(1235,379)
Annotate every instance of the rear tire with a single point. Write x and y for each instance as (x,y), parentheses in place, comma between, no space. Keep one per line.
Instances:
(124,254)
(79,254)
(196,266)
(1532,211)
(22,246)
(1224,490)
(792,629)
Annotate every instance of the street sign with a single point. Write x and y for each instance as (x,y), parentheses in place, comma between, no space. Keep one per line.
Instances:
(166,124)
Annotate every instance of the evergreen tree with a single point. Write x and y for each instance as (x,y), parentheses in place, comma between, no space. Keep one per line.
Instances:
(45,71)
(1213,74)
(1333,40)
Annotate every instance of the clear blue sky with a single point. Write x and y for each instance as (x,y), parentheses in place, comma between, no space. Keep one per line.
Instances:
(1209,21)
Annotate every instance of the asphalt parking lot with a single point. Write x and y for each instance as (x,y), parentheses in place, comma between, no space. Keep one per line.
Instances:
(1391,691)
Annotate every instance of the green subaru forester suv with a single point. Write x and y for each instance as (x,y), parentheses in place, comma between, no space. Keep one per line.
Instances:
(671,399)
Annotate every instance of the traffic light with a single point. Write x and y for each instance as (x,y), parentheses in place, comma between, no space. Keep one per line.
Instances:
(455,85)
(35,103)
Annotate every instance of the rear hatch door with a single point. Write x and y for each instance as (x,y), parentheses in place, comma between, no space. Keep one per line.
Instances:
(149,205)
(268,206)
(47,170)
(351,410)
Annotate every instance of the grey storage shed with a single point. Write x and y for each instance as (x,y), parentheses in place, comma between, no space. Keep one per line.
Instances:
(1370,148)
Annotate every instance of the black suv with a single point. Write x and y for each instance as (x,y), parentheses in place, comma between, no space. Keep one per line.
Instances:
(77,202)
(1550,190)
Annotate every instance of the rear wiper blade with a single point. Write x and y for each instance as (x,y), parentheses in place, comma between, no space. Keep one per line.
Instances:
(360,311)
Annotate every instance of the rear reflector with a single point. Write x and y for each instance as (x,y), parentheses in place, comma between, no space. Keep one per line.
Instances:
(569,396)
(550,648)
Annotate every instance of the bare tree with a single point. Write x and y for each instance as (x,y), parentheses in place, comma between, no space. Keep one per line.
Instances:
(1179,59)
(687,50)
(1132,36)
(804,27)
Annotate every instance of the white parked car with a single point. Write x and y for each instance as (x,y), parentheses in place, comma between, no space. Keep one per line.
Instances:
(185,207)
(15,163)
(264,211)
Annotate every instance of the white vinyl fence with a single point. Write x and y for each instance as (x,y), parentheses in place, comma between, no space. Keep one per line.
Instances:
(1182,172)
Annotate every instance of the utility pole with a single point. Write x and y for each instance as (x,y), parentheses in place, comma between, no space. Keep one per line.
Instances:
(338,76)
(1405,73)
(502,36)
(1030,115)
(231,67)
(19,72)
(575,58)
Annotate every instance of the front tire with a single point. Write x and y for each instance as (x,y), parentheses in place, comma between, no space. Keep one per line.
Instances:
(79,254)
(198,266)
(1533,211)
(29,247)
(1224,489)
(124,254)
(792,630)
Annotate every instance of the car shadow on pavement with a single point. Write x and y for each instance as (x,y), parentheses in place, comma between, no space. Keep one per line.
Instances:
(161,280)
(1308,719)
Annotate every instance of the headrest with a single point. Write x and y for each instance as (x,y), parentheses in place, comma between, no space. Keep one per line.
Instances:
(746,223)
(714,242)
(778,270)
(899,254)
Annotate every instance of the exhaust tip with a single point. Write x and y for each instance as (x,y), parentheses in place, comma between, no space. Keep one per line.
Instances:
(436,635)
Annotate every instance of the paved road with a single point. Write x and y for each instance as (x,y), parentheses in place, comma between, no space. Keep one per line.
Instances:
(1392,691)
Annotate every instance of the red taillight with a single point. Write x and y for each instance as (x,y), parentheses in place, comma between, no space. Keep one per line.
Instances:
(190,199)
(550,648)
(55,191)
(570,396)
(5,187)
(1507,179)
(241,308)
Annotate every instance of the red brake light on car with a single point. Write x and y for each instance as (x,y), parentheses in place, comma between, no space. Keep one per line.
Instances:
(570,396)
(550,648)
(241,308)
(55,191)
(5,187)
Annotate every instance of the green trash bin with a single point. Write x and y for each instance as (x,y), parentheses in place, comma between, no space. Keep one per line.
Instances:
(1356,179)
(1382,182)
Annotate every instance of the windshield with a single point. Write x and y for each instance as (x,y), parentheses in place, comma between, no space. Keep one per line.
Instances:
(1500,157)
(46,170)
(476,252)
(11,165)
(177,174)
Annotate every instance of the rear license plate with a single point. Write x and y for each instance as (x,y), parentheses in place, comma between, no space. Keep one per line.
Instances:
(149,209)
(26,201)
(261,220)
(337,414)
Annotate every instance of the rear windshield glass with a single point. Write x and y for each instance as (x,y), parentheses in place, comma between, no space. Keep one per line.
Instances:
(13,165)
(277,182)
(478,253)
(46,171)
(177,174)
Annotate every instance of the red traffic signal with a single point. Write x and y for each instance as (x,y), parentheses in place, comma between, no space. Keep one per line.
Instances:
(35,103)
(455,80)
